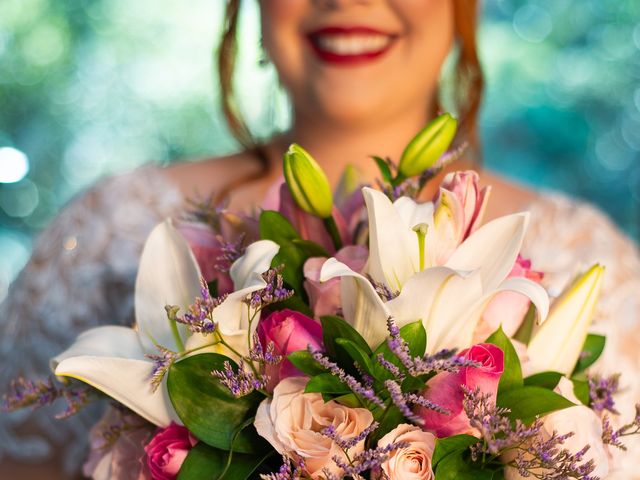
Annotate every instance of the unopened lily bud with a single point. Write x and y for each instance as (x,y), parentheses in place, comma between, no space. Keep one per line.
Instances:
(428,146)
(558,342)
(307,182)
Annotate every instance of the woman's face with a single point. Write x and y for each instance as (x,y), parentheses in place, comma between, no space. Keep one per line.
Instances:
(358,61)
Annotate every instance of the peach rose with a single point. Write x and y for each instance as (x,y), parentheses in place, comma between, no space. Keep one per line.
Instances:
(412,462)
(292,422)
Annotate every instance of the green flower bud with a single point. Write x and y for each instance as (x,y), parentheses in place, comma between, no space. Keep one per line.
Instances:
(428,146)
(307,182)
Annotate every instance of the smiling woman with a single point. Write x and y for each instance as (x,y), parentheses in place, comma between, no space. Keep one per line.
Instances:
(361,77)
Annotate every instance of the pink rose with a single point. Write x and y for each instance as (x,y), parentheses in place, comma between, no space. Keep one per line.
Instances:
(444,390)
(289,331)
(292,422)
(412,462)
(508,308)
(167,450)
(324,297)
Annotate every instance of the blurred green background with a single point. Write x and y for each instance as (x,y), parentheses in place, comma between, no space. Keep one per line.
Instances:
(90,88)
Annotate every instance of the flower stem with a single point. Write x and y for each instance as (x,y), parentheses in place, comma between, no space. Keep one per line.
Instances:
(176,335)
(332,229)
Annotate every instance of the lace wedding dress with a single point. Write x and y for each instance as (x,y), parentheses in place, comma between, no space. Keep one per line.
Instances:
(83,268)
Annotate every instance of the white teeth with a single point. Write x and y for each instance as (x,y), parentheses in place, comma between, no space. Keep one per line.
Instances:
(353,44)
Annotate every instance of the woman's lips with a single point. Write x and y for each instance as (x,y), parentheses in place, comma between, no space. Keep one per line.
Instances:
(349,45)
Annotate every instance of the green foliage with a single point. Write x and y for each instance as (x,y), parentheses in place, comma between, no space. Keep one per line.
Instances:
(294,251)
(591,351)
(304,362)
(414,334)
(512,375)
(207,463)
(457,466)
(449,445)
(527,402)
(208,409)
(326,383)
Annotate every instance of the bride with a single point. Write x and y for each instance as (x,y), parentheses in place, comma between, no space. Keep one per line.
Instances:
(362,76)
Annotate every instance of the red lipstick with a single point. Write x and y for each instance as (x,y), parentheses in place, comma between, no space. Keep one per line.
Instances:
(349,45)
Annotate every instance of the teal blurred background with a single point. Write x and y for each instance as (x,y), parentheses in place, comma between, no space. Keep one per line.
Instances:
(90,88)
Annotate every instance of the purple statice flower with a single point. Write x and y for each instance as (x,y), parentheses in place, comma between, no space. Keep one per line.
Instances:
(535,455)
(400,401)
(231,251)
(261,355)
(367,460)
(601,391)
(366,392)
(289,470)
(38,393)
(442,361)
(199,317)
(390,367)
(273,292)
(240,382)
(349,442)
(161,364)
(382,290)
(613,437)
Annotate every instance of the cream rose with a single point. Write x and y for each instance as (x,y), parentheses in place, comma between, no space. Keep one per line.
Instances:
(291,422)
(412,462)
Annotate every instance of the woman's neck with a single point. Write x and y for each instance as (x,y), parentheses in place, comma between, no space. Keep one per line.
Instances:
(336,146)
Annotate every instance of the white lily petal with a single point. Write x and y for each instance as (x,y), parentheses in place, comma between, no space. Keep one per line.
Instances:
(492,249)
(361,305)
(168,275)
(557,343)
(256,259)
(107,341)
(413,213)
(464,323)
(394,247)
(125,380)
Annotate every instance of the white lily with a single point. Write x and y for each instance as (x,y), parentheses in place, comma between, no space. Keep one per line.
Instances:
(556,345)
(448,299)
(113,358)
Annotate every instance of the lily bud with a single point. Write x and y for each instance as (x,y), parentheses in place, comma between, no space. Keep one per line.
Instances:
(307,182)
(428,146)
(557,343)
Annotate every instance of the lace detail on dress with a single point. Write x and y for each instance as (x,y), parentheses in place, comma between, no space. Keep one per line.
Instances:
(564,232)
(81,274)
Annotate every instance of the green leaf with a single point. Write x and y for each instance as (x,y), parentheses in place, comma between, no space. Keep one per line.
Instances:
(357,354)
(294,303)
(455,466)
(310,248)
(334,328)
(388,419)
(274,226)
(207,463)
(208,409)
(526,328)
(412,333)
(527,402)
(350,400)
(448,445)
(326,383)
(385,171)
(581,391)
(304,362)
(591,351)
(512,376)
(547,380)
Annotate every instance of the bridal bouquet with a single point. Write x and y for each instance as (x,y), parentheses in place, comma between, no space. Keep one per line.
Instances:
(362,335)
